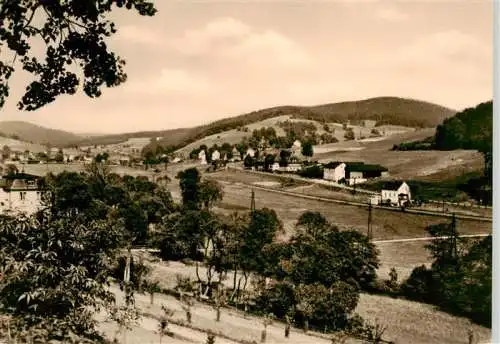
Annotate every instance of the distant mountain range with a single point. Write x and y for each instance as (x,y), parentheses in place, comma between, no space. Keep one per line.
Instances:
(384,110)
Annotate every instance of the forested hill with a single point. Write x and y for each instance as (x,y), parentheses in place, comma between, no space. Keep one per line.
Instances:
(468,129)
(384,110)
(471,128)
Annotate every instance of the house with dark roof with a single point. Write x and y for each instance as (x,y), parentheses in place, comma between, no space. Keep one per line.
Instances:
(352,172)
(20,192)
(334,171)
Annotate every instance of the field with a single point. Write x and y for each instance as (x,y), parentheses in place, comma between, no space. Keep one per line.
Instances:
(21,146)
(406,164)
(386,224)
(234,136)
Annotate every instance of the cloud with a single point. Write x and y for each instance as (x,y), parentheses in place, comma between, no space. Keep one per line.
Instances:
(169,81)
(138,34)
(439,49)
(230,38)
(390,14)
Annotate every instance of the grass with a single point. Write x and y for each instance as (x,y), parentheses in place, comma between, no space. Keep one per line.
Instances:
(386,224)
(422,165)
(391,256)
(417,323)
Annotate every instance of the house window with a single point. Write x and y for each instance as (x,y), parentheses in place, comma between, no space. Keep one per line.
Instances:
(23,195)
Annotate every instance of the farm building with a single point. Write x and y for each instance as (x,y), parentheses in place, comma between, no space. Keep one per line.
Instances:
(398,197)
(358,172)
(352,172)
(275,167)
(20,193)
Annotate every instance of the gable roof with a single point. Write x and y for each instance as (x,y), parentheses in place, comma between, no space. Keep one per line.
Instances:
(362,167)
(333,164)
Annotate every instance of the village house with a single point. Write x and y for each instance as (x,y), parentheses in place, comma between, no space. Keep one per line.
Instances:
(275,167)
(202,156)
(334,171)
(236,155)
(293,165)
(20,193)
(250,152)
(297,147)
(215,155)
(352,172)
(399,197)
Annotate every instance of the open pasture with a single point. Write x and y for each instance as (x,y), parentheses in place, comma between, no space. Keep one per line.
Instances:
(386,224)
(405,164)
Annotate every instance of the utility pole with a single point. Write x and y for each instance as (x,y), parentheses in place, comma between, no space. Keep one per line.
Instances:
(252,202)
(454,249)
(369,232)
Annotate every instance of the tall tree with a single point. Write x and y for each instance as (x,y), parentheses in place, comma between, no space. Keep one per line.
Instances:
(74,34)
(307,149)
(189,181)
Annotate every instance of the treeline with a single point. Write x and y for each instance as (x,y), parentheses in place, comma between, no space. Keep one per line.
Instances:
(468,129)
(459,280)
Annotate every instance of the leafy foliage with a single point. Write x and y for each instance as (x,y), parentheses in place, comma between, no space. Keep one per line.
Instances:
(459,279)
(54,270)
(75,35)
(471,128)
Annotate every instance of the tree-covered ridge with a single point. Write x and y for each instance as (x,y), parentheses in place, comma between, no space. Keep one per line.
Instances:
(384,110)
(471,128)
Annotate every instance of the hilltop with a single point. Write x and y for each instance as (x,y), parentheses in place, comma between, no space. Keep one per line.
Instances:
(384,110)
(28,132)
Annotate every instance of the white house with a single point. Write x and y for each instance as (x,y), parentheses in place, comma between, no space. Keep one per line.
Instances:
(297,148)
(202,157)
(275,167)
(250,152)
(397,197)
(215,155)
(334,171)
(20,196)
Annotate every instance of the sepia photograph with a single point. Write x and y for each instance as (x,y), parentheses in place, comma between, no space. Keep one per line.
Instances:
(247,171)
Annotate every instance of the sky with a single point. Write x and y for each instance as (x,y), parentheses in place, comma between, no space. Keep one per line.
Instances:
(198,61)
